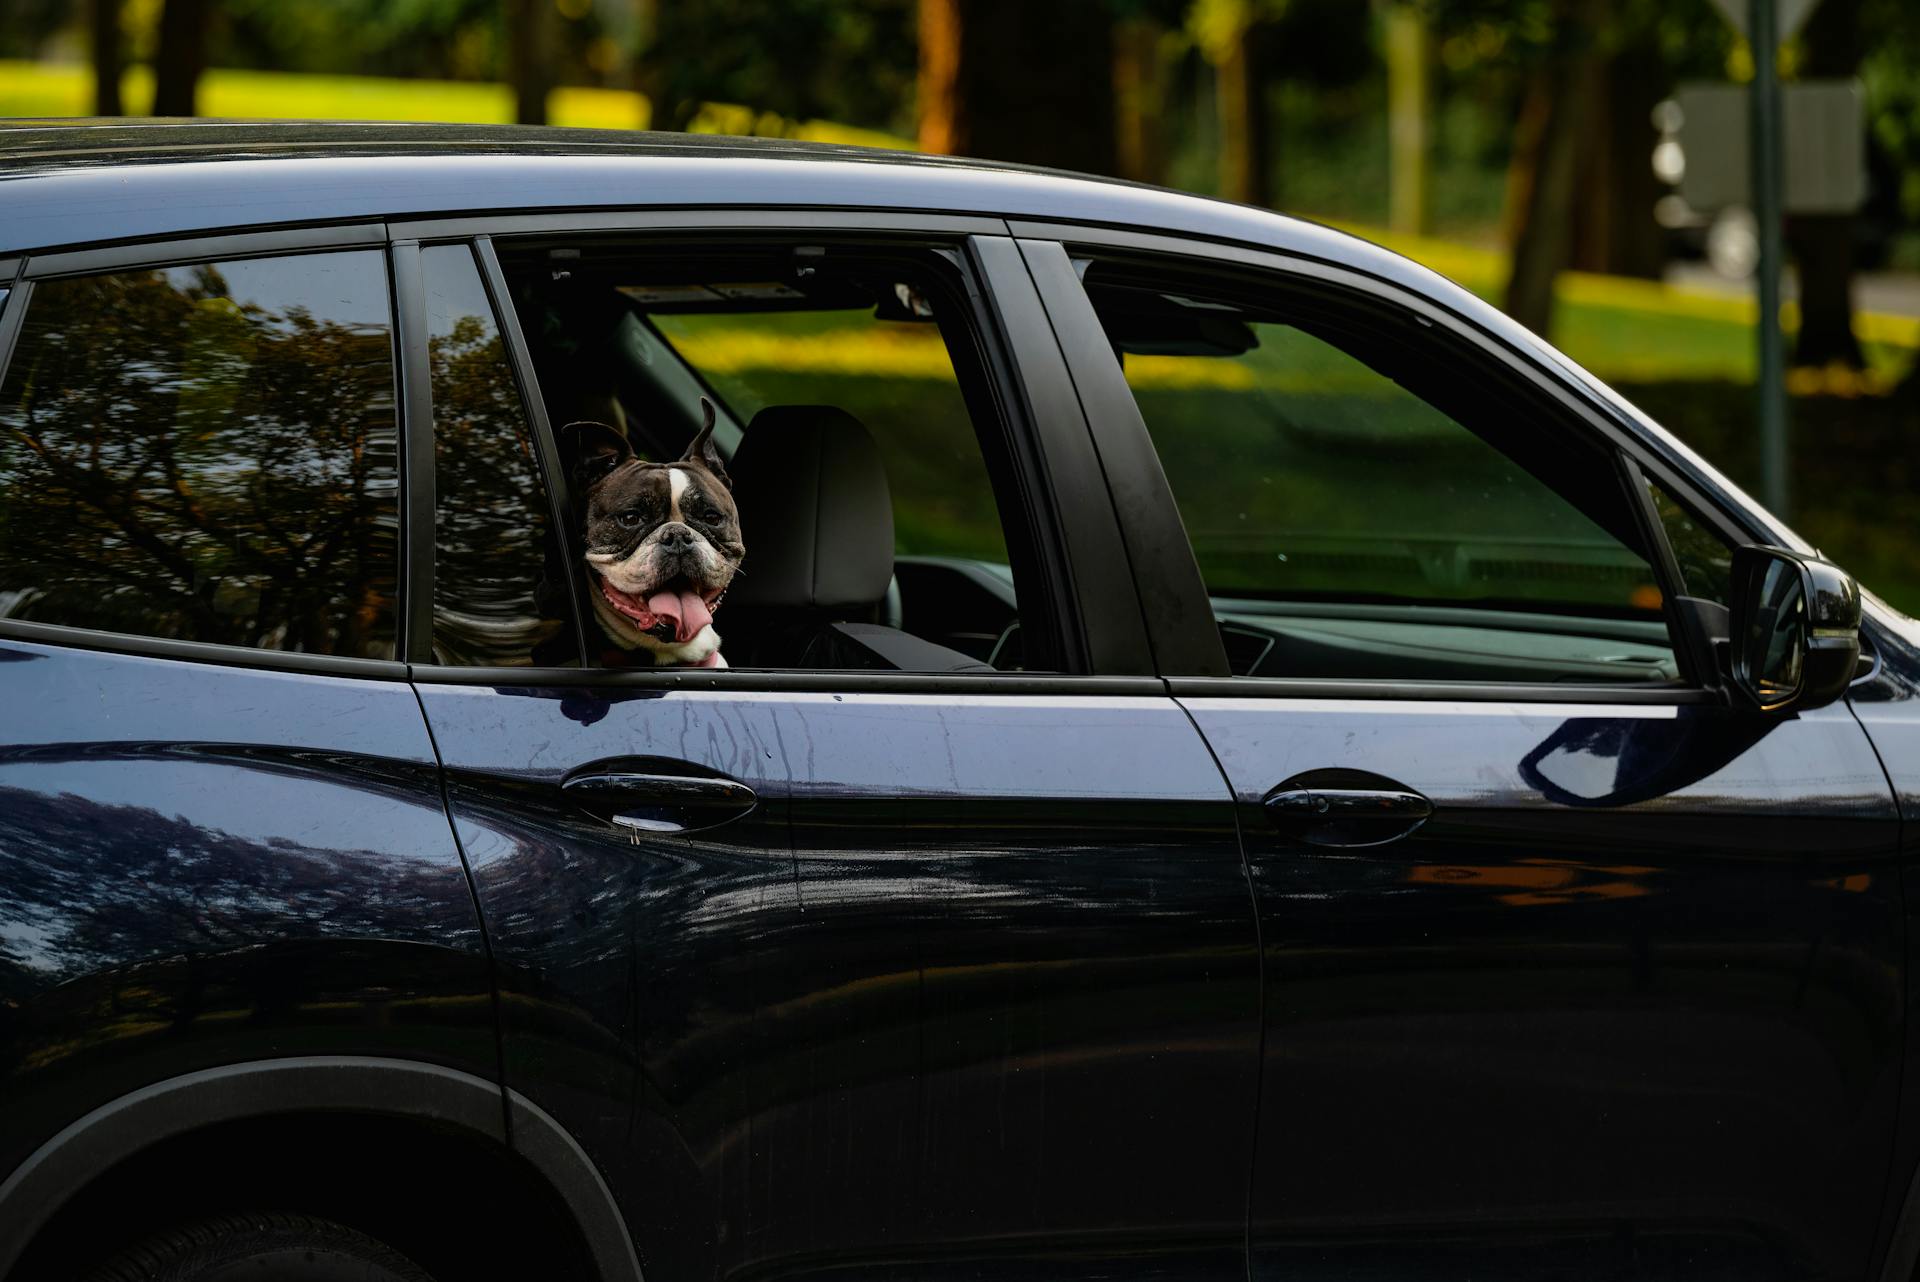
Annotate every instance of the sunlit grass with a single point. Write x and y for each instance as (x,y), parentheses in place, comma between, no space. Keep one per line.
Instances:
(66,90)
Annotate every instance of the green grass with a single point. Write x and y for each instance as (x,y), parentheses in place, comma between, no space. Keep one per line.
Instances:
(65,90)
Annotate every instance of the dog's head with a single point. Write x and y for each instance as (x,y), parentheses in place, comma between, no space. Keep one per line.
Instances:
(662,539)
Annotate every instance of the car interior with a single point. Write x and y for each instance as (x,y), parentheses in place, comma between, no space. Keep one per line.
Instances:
(836,576)
(850,391)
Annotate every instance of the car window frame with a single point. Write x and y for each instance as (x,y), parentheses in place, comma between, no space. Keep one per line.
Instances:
(225,246)
(1078,551)
(1157,523)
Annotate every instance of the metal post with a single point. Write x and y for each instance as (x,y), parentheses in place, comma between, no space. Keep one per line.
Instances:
(1763,37)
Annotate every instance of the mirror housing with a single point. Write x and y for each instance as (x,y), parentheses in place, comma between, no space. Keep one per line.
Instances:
(1795,630)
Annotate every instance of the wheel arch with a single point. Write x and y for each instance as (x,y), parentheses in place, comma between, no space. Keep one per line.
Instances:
(175,1109)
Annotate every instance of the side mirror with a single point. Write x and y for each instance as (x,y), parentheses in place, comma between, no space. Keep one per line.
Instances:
(1796,629)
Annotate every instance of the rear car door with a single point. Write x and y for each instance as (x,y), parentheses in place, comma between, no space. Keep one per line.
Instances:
(221,832)
(919,939)
(1572,968)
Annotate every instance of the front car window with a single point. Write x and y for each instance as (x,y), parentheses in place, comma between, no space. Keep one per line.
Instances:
(207,453)
(1359,511)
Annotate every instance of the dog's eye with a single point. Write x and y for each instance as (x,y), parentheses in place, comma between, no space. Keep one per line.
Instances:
(628,520)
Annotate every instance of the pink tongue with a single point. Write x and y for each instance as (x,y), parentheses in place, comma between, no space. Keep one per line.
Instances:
(688,612)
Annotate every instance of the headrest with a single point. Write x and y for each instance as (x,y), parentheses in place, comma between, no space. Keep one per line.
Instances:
(815,512)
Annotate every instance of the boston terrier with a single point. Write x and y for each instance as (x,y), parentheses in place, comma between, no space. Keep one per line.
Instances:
(662,542)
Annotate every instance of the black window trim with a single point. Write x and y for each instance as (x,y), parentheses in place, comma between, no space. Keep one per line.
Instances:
(413,368)
(170,252)
(179,250)
(585,222)
(1044,419)
(1698,683)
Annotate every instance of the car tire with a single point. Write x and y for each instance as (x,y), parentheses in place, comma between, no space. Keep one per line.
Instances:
(265,1247)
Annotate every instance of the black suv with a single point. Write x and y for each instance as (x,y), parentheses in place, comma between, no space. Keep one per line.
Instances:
(1235,759)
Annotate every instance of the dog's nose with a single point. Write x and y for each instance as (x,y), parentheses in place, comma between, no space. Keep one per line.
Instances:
(676,538)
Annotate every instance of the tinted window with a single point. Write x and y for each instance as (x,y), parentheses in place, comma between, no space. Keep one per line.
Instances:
(207,453)
(498,594)
(1706,562)
(1358,509)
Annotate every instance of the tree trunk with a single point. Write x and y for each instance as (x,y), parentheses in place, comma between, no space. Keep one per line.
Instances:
(1614,229)
(1822,245)
(104,31)
(1010,80)
(528,64)
(1139,100)
(1543,186)
(1244,139)
(1409,48)
(179,57)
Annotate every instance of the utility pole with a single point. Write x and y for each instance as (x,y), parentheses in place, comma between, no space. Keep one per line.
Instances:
(1763,37)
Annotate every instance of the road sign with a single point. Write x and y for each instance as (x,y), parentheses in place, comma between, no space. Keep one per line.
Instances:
(1788,15)
(1824,146)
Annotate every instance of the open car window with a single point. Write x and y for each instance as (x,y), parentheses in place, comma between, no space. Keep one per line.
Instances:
(856,433)
(1361,505)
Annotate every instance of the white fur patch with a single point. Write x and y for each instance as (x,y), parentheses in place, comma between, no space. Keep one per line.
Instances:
(677,483)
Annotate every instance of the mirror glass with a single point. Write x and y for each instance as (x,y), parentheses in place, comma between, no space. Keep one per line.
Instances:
(1774,647)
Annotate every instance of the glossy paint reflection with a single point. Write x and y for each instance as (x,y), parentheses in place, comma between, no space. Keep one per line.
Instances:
(1628,1004)
(196,862)
(960,992)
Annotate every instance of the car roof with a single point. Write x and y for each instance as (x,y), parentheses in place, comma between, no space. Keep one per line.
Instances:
(67,183)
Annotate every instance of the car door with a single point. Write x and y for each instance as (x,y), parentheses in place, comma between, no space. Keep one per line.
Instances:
(1572,968)
(221,833)
(835,970)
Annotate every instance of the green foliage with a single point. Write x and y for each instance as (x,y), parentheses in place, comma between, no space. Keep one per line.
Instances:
(853,61)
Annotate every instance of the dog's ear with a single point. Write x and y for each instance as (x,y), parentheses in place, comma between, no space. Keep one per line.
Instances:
(592,450)
(701,451)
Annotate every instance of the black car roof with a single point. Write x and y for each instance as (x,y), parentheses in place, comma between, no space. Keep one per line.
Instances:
(67,183)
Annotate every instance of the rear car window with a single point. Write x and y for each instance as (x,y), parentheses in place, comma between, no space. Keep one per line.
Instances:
(206,452)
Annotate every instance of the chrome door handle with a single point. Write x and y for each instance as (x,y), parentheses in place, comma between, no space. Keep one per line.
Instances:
(1345,816)
(653,800)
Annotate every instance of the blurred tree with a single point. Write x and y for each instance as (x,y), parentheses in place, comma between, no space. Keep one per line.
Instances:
(1007,80)
(1228,33)
(103,30)
(850,61)
(27,25)
(1146,45)
(180,56)
(437,39)
(529,59)
(1558,115)
(1409,48)
(1580,191)
(1831,46)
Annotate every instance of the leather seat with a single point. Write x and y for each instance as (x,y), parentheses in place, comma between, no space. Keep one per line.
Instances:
(817,519)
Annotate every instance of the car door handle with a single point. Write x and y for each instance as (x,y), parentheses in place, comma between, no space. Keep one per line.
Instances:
(657,801)
(1331,815)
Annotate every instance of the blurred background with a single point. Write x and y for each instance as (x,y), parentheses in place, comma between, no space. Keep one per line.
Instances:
(1557,156)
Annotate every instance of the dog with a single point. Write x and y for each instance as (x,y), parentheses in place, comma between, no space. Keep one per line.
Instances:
(662,543)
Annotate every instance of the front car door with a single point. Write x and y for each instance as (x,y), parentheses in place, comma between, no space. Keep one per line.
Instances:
(966,978)
(1572,968)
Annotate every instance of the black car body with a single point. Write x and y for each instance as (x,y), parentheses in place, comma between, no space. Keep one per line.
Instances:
(1178,929)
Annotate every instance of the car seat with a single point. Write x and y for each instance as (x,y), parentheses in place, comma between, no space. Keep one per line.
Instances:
(817,519)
